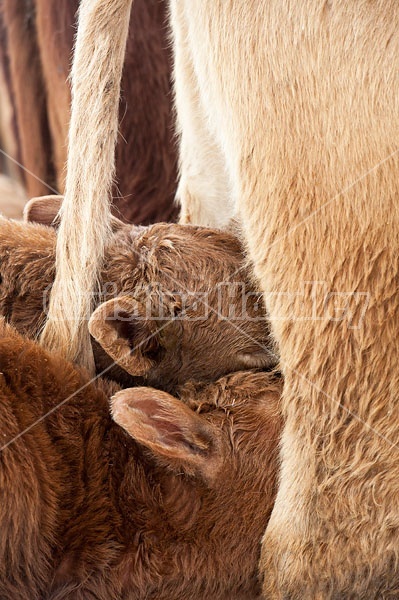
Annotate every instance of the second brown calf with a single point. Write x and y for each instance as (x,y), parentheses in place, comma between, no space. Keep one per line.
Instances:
(166,508)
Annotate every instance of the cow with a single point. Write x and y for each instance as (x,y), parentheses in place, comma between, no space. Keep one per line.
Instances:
(36,42)
(288,125)
(161,287)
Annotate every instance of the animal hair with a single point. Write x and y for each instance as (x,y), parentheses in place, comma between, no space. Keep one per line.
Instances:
(36,43)
(161,502)
(85,215)
(288,123)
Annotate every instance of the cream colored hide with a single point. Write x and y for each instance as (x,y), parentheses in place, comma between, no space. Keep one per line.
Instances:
(288,113)
(86,221)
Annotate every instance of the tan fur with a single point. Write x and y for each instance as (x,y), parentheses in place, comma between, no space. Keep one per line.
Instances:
(85,222)
(301,100)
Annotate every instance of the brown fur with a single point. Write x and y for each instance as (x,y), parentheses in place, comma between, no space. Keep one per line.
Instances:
(164,267)
(28,96)
(39,46)
(88,512)
(12,198)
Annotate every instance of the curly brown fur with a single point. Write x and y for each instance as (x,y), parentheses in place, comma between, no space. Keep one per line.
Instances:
(165,268)
(88,512)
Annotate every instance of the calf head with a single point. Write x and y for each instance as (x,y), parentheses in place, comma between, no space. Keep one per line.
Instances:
(175,303)
(183,306)
(171,501)
(218,454)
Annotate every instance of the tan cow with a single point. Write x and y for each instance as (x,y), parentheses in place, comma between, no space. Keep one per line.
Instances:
(294,106)
(289,122)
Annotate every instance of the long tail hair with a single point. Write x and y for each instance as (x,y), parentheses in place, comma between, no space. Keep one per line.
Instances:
(85,216)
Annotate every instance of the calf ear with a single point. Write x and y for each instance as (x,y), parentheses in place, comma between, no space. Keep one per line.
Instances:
(175,434)
(43,210)
(127,334)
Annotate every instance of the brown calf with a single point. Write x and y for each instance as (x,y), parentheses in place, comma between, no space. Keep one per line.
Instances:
(89,512)
(179,295)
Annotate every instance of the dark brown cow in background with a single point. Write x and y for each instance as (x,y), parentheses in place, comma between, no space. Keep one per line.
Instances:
(36,45)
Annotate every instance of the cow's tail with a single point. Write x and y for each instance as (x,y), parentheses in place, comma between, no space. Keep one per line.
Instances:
(85,215)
